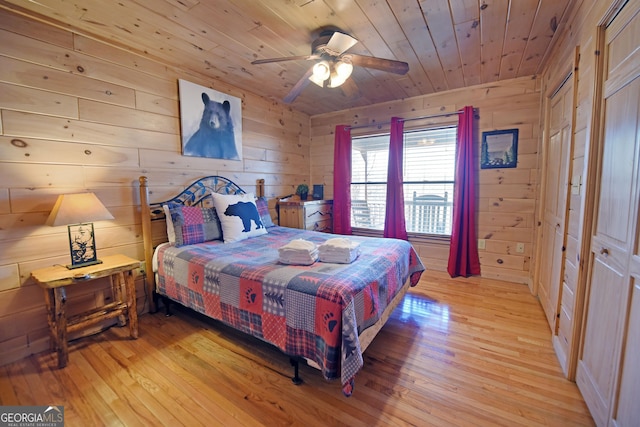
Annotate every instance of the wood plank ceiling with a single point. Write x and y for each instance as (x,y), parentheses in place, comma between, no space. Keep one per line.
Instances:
(448,44)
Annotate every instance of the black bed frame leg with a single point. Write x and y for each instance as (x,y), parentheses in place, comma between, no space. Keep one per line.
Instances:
(155,297)
(296,378)
(167,306)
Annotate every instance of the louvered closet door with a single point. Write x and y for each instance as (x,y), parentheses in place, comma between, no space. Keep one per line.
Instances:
(608,374)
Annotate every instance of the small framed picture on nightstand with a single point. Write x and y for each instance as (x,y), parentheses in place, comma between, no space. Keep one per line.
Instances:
(318,191)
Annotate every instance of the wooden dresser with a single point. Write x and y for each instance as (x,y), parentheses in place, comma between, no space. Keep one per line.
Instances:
(314,215)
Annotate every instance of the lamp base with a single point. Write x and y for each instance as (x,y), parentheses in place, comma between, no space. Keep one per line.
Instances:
(83,264)
(82,246)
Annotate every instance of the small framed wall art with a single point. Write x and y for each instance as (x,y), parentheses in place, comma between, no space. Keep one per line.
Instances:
(211,122)
(499,149)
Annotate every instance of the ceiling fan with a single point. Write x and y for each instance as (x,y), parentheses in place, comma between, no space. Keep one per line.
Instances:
(334,66)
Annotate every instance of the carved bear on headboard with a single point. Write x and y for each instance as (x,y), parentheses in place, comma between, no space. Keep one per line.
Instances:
(247,213)
(215,137)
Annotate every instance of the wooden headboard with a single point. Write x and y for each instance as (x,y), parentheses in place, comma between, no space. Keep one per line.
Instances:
(197,193)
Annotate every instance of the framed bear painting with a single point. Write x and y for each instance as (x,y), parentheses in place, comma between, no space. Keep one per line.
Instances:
(210,121)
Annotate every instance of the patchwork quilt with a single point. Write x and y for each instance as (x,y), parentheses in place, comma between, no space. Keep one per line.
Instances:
(315,311)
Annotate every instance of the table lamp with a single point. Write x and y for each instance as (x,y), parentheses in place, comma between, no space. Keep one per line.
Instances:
(77,212)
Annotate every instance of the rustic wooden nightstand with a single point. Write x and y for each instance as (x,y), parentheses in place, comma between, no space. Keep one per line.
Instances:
(314,215)
(54,280)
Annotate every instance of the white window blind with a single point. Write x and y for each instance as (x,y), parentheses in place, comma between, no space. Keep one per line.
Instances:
(429,172)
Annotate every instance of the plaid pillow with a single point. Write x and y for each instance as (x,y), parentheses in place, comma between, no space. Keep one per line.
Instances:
(194,224)
(263,211)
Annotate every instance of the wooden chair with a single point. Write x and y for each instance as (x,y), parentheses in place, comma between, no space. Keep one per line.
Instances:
(429,213)
(360,214)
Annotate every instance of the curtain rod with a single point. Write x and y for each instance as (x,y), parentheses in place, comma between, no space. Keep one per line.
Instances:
(379,124)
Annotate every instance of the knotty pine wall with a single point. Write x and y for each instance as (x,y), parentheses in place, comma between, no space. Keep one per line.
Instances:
(506,197)
(77,114)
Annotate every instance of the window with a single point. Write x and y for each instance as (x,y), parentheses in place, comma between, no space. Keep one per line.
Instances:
(429,172)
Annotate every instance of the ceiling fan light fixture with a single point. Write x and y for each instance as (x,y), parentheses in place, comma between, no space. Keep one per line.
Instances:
(336,81)
(321,72)
(342,71)
(319,82)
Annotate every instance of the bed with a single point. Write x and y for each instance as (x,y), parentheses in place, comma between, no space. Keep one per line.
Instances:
(326,314)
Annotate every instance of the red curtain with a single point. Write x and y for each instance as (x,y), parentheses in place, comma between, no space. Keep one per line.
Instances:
(342,181)
(394,221)
(463,252)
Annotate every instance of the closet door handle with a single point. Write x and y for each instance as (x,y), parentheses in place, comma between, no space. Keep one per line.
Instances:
(604,251)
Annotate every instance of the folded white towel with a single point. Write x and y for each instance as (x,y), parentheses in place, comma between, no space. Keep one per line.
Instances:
(340,242)
(299,244)
(298,259)
(339,250)
(298,252)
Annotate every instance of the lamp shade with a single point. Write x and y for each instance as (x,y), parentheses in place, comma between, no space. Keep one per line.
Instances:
(342,71)
(321,72)
(76,209)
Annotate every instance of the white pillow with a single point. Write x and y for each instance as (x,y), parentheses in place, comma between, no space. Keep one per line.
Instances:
(171,231)
(239,216)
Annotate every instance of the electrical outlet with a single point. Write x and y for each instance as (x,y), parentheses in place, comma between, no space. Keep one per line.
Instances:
(481,243)
(520,248)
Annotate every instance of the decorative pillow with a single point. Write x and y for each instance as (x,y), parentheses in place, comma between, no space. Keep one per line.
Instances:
(239,216)
(263,210)
(171,232)
(194,224)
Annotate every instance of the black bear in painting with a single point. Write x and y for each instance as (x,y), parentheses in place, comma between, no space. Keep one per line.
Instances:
(214,137)
(247,212)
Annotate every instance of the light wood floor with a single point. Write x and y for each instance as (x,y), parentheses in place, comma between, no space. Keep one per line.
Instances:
(456,352)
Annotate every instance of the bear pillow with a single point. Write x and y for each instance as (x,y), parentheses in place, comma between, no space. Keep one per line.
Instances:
(239,216)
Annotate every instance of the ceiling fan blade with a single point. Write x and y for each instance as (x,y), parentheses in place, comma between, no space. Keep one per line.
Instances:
(350,89)
(286,58)
(340,42)
(389,65)
(298,87)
